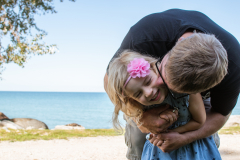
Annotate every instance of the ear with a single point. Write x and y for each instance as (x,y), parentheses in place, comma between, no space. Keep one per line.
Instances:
(180,39)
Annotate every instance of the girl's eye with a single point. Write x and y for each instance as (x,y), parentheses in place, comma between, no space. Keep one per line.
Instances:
(139,94)
(149,81)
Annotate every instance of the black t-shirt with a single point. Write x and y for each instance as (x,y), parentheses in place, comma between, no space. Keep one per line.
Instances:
(157,33)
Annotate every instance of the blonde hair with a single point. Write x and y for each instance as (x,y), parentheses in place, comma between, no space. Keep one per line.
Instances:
(117,76)
(196,63)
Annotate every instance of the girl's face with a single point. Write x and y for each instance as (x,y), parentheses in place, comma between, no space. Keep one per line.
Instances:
(148,90)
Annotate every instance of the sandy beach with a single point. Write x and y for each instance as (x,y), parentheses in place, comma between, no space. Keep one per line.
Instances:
(91,148)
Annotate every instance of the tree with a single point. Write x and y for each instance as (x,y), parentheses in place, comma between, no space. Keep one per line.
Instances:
(17,24)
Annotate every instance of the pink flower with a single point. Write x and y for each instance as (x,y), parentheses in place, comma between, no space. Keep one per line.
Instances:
(138,67)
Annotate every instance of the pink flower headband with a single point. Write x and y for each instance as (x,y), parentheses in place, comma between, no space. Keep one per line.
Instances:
(138,67)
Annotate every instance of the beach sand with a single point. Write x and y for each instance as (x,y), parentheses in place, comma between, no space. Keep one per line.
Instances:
(91,148)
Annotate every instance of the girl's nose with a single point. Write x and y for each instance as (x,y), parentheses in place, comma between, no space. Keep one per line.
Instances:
(148,92)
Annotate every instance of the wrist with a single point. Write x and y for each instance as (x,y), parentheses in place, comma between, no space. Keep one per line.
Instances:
(190,137)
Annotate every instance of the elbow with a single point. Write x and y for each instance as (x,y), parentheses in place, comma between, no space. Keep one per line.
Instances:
(198,125)
(201,123)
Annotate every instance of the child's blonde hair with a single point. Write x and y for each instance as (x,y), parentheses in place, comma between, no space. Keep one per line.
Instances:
(117,76)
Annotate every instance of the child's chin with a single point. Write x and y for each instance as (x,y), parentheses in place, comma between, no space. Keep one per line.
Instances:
(155,102)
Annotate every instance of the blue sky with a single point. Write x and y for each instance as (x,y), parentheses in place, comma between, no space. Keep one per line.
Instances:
(89,32)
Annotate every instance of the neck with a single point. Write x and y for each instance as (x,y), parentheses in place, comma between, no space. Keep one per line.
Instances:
(185,35)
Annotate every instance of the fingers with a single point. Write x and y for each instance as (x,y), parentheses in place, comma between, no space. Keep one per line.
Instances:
(165,117)
(152,138)
(176,112)
(173,113)
(155,139)
(156,142)
(159,136)
(160,143)
(170,115)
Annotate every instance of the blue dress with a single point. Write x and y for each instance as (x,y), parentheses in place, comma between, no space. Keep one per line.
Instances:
(203,149)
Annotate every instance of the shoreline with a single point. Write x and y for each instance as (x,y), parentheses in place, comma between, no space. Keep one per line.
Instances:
(92,148)
(99,148)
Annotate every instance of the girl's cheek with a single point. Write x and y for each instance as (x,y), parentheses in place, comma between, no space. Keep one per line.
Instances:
(159,80)
(142,101)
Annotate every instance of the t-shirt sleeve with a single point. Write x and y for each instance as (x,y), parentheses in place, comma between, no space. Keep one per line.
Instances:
(225,95)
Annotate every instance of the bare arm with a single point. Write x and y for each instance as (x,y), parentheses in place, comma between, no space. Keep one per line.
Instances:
(197,110)
(213,123)
(174,140)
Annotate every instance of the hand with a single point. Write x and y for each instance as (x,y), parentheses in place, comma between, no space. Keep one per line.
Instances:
(143,129)
(168,142)
(169,115)
(157,120)
(155,141)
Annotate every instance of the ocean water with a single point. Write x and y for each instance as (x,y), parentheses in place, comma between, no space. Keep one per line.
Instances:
(91,110)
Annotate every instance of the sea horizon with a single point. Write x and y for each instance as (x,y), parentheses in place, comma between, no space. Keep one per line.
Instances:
(92,110)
